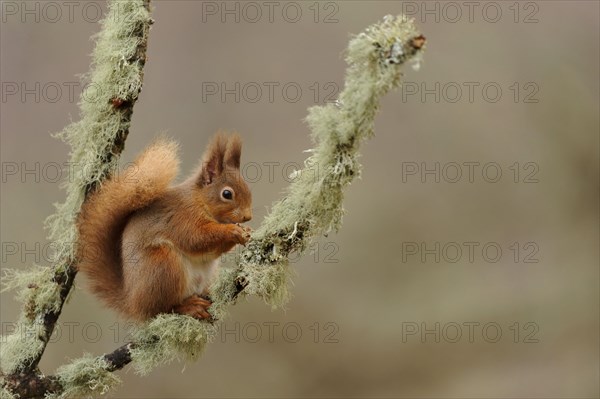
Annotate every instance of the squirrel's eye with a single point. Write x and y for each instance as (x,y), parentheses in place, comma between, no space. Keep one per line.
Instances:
(227,194)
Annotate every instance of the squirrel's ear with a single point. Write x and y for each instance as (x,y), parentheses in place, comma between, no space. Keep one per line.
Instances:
(233,152)
(212,160)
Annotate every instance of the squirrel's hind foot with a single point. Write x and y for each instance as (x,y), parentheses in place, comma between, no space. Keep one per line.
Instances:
(195,306)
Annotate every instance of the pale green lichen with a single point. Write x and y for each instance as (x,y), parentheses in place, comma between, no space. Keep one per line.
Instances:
(39,294)
(33,287)
(222,290)
(87,376)
(313,203)
(6,394)
(270,283)
(19,348)
(169,337)
(116,75)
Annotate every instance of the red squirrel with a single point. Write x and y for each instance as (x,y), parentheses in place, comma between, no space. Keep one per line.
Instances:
(149,247)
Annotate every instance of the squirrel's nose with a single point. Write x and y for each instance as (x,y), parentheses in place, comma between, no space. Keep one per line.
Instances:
(247,216)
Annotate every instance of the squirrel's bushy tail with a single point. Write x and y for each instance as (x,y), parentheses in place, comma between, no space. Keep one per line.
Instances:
(105,213)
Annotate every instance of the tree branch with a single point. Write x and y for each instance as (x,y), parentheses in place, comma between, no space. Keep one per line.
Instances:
(96,143)
(31,385)
(312,206)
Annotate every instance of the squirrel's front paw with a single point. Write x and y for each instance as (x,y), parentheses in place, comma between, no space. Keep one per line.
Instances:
(241,233)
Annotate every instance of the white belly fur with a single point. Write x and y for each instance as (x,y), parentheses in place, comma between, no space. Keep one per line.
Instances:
(200,270)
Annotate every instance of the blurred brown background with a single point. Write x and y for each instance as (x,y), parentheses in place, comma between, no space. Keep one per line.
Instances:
(365,304)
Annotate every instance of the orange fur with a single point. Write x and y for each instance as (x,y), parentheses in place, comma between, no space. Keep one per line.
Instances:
(149,247)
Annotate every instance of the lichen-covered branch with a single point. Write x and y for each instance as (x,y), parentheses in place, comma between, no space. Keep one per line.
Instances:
(96,141)
(311,206)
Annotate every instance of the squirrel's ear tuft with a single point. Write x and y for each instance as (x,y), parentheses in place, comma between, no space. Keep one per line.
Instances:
(233,153)
(212,160)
